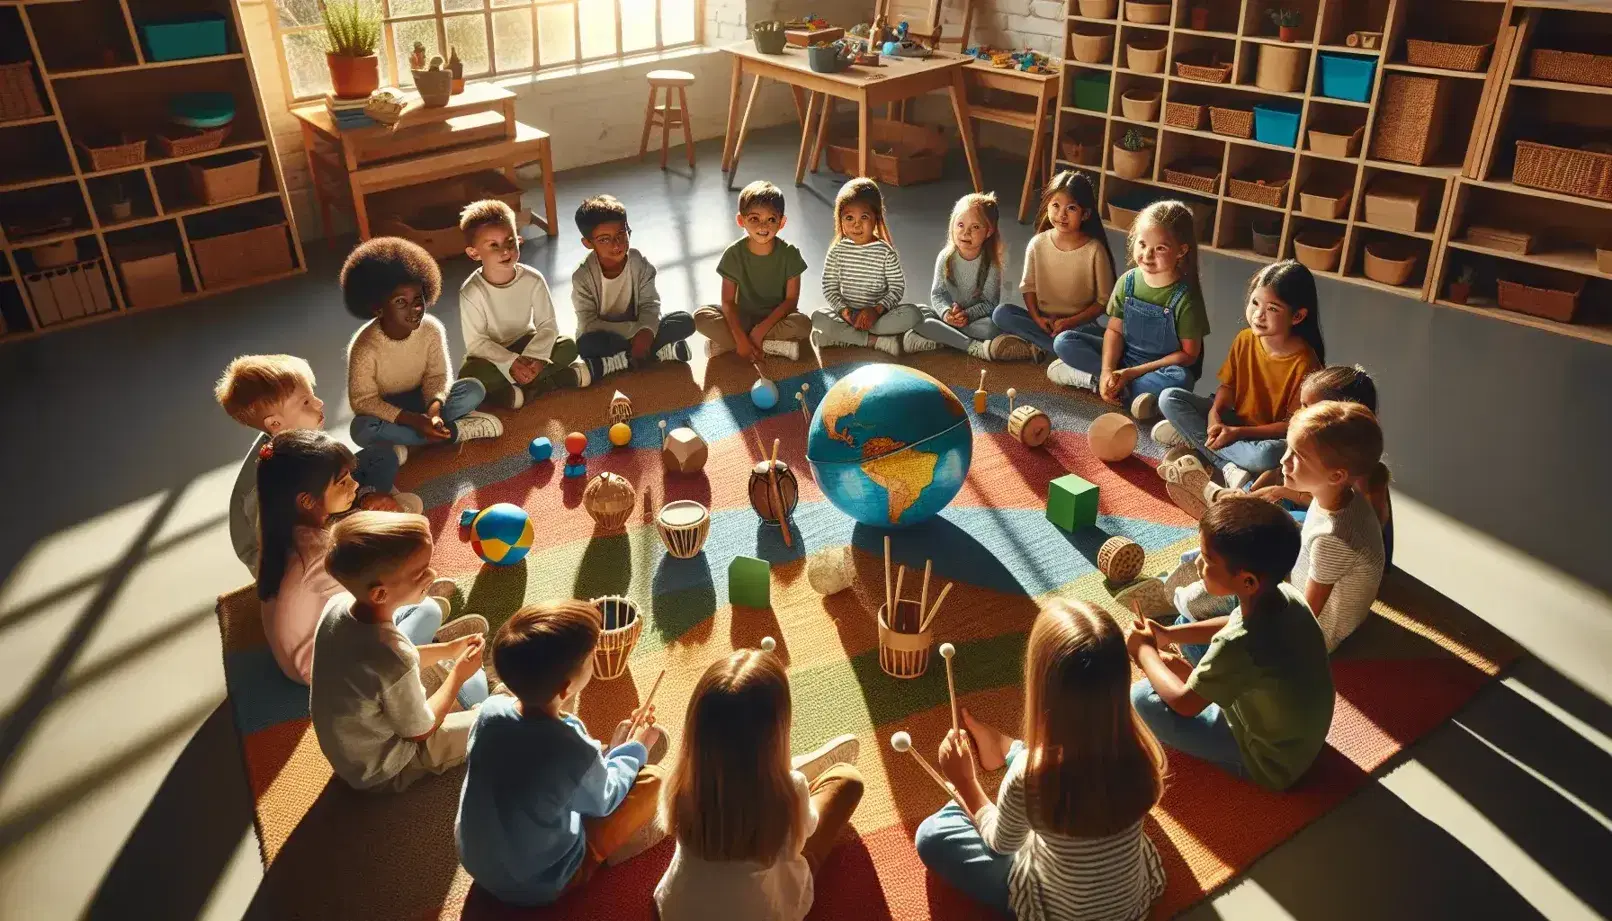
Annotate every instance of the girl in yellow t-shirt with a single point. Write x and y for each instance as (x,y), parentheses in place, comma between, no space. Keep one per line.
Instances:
(1243,428)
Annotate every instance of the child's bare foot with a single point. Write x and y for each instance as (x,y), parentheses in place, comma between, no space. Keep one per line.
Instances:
(988,743)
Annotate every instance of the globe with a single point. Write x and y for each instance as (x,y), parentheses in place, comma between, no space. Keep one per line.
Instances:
(501,534)
(890,445)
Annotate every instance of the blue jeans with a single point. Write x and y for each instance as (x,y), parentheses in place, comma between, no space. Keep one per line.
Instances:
(1189,413)
(1207,735)
(420,622)
(376,469)
(1078,348)
(1015,321)
(950,845)
(465,395)
(933,328)
(675,326)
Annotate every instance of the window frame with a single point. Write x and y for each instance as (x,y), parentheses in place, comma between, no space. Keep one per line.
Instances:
(387,52)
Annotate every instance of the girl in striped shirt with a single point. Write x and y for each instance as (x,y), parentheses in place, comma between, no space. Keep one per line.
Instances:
(862,277)
(1064,839)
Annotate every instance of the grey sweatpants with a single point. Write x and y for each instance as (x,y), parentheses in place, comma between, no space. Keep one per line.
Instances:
(831,330)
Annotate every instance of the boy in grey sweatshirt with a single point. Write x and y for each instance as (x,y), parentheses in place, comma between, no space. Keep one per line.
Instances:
(619,319)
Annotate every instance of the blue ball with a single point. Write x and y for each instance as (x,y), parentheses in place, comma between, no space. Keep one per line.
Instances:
(541,449)
(764,394)
(501,534)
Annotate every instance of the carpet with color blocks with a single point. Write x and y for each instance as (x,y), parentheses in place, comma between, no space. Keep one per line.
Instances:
(332,853)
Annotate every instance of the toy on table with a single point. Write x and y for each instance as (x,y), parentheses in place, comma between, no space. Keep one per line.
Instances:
(620,628)
(1030,425)
(620,407)
(903,46)
(764,393)
(774,491)
(980,395)
(540,450)
(902,742)
(750,582)
(1112,437)
(683,525)
(682,450)
(609,498)
(1071,502)
(575,464)
(501,534)
(1028,61)
(385,105)
(1120,559)
(830,572)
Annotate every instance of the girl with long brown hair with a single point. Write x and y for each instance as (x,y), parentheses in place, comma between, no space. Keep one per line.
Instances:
(1064,838)
(863,282)
(751,826)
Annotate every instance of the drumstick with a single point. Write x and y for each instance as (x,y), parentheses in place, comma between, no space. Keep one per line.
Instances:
(923,599)
(901,576)
(902,742)
(644,707)
(947,650)
(936,609)
(889,606)
(777,496)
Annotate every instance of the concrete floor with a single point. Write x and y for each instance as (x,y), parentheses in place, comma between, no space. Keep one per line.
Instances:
(121,789)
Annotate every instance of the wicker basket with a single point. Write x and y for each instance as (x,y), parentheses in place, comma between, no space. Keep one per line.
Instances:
(620,626)
(1145,59)
(188,143)
(1237,123)
(1121,217)
(1269,193)
(1445,55)
(227,177)
(1550,303)
(903,655)
(1410,120)
(231,258)
(123,152)
(1186,115)
(1390,263)
(1571,67)
(1520,242)
(19,98)
(1091,48)
(1199,176)
(1140,105)
(1585,173)
(1203,69)
(1318,251)
(1150,14)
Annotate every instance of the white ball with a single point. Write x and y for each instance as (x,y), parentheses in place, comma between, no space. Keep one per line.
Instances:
(901,741)
(768,644)
(829,571)
(1012,392)
(947,650)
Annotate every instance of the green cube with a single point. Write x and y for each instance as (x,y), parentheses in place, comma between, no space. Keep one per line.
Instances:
(1091,90)
(750,582)
(1071,502)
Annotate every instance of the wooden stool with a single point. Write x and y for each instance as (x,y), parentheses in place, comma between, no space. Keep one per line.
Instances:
(666,115)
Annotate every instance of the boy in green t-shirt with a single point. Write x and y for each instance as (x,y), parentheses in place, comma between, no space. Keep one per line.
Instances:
(760,285)
(1259,702)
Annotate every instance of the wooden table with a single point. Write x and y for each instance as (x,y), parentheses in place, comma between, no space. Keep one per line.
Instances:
(897,79)
(475,131)
(1043,88)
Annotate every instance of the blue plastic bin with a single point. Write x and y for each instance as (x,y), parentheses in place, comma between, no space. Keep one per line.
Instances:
(1345,76)
(1277,123)
(190,37)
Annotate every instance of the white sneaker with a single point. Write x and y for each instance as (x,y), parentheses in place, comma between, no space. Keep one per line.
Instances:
(912,342)
(517,396)
(402,453)
(478,425)
(584,376)
(838,750)
(1144,406)
(889,345)
(1011,348)
(979,349)
(620,361)
(783,348)
(712,349)
(673,351)
(408,502)
(1236,477)
(1165,434)
(1060,373)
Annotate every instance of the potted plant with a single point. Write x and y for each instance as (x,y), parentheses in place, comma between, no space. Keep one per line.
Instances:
(1287,22)
(1461,287)
(1200,18)
(352,30)
(435,83)
(1132,156)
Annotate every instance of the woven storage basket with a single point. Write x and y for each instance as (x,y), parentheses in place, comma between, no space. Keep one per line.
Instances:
(19,98)
(1585,173)
(1260,192)
(621,625)
(1446,55)
(1237,123)
(1204,70)
(242,255)
(1152,14)
(1571,67)
(1550,303)
(1410,119)
(1188,116)
(1198,176)
(226,177)
(183,143)
(112,156)
(901,154)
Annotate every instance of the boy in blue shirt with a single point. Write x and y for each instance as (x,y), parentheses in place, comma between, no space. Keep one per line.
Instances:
(542,808)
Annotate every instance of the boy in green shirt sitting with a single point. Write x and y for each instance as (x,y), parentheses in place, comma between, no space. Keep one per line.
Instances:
(1258,702)
(760,285)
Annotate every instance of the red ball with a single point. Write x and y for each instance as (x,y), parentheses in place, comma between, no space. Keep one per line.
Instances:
(576,443)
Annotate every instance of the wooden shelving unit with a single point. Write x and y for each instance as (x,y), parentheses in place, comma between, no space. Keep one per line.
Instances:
(94,81)
(1239,32)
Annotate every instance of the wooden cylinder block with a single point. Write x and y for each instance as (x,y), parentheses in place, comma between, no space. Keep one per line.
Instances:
(761,491)
(683,526)
(1121,559)
(1112,437)
(1030,425)
(621,626)
(904,655)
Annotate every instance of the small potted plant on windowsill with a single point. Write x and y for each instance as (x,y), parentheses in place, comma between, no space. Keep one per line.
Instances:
(352,30)
(1132,156)
(1461,286)
(1287,22)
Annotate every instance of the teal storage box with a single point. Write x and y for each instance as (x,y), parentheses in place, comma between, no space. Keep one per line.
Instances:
(1345,76)
(1091,91)
(189,37)
(1277,123)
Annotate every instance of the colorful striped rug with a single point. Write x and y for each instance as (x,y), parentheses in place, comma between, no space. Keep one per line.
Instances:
(332,853)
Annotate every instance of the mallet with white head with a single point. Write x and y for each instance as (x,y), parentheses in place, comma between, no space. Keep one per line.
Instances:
(947,650)
(768,644)
(1012,394)
(902,742)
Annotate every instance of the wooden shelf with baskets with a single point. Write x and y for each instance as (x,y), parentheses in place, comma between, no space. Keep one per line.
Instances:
(108,206)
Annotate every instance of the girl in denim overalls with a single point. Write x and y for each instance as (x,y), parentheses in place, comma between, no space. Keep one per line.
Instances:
(1156,319)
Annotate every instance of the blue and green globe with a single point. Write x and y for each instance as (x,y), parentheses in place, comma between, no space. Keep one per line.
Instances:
(890,445)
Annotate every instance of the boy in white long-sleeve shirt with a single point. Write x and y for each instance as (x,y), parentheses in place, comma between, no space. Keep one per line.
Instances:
(513,344)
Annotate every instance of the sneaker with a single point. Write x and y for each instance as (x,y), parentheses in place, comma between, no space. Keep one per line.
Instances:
(1176,453)
(889,345)
(1148,598)
(442,588)
(516,398)
(1144,406)
(408,502)
(712,349)
(1060,373)
(1011,348)
(610,364)
(912,342)
(583,372)
(468,625)
(674,351)
(838,750)
(1165,434)
(402,453)
(1236,477)
(783,348)
(475,425)
(1184,480)
(979,349)
(1212,492)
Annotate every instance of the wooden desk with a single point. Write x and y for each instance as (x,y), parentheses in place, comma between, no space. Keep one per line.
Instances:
(475,131)
(1043,88)
(897,79)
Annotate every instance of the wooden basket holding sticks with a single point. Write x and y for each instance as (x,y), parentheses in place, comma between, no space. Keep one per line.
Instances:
(621,626)
(905,638)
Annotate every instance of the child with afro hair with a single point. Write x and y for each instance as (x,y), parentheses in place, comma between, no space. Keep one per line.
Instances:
(397,362)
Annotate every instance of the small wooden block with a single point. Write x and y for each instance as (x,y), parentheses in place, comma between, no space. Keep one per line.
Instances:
(1071,502)
(750,582)
(1120,559)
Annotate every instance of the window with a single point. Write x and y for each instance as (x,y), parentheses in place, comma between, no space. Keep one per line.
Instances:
(493,37)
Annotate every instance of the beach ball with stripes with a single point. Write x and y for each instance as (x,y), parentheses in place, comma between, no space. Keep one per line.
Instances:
(501,534)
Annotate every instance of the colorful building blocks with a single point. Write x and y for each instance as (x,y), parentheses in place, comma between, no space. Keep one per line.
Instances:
(1071,502)
(750,582)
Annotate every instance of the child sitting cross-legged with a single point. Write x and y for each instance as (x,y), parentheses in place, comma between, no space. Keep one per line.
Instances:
(397,363)
(513,344)
(542,806)
(1258,702)
(376,721)
(968,287)
(1064,838)
(760,310)
(862,276)
(752,825)
(274,394)
(619,320)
